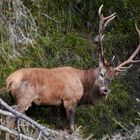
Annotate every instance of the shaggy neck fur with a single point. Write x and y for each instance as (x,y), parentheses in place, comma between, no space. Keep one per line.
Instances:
(91,93)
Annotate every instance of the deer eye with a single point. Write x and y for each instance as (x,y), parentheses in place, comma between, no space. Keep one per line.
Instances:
(102,75)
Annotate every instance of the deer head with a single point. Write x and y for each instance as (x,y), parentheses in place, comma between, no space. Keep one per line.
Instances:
(105,72)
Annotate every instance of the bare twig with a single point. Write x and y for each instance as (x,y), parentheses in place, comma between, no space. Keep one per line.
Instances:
(12,132)
(39,135)
(19,25)
(51,18)
(122,126)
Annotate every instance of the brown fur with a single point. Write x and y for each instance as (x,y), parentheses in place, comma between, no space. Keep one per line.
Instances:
(65,86)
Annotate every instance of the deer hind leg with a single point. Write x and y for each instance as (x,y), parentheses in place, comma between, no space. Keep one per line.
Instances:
(24,96)
(12,122)
(22,104)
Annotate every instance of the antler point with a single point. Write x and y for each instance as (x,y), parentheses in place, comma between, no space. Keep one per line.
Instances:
(100,9)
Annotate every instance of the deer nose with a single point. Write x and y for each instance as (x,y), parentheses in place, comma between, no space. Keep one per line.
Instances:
(105,90)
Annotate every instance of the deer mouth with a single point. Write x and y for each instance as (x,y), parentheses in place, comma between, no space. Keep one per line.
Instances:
(103,92)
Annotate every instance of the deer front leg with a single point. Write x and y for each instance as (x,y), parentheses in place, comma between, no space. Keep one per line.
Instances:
(70,112)
(70,118)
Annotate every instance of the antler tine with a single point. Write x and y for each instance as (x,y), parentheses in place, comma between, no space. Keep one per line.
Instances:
(138,31)
(110,18)
(102,24)
(104,20)
(130,60)
(100,9)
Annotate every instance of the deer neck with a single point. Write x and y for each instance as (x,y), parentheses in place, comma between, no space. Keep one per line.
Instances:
(88,78)
(91,94)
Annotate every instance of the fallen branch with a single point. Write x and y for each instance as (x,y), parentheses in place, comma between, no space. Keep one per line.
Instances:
(6,113)
(19,115)
(43,131)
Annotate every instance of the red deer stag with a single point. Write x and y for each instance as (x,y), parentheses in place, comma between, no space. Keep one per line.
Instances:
(66,86)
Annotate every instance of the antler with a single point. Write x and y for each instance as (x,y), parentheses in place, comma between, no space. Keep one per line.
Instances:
(129,61)
(102,24)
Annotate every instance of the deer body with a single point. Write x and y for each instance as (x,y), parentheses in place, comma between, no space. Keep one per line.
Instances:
(65,86)
(53,86)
